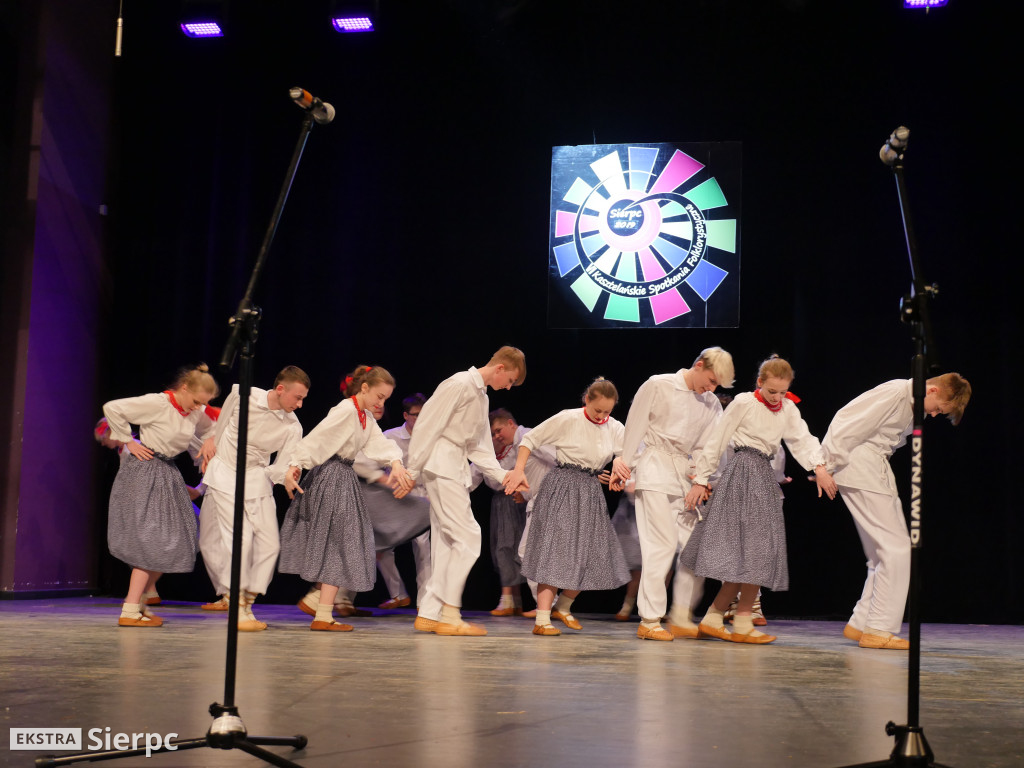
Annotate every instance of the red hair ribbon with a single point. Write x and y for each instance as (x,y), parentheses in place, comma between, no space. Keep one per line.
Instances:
(349,379)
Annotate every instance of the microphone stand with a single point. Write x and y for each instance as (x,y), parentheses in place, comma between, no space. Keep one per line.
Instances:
(912,749)
(227,730)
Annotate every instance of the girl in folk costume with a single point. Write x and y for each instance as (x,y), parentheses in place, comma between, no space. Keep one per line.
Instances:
(571,544)
(152,523)
(741,540)
(326,536)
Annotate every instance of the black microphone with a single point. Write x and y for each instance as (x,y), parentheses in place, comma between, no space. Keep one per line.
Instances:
(892,150)
(322,112)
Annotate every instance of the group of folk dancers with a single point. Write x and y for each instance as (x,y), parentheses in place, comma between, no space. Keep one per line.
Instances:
(706,495)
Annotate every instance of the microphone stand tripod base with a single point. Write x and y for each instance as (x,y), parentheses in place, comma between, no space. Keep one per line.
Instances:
(911,751)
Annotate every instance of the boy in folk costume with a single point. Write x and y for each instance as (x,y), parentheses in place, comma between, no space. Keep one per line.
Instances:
(672,415)
(452,430)
(273,428)
(508,515)
(858,444)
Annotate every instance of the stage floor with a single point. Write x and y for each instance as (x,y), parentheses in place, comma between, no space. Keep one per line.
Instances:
(385,695)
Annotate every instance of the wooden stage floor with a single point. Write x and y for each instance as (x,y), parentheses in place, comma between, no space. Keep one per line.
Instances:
(385,695)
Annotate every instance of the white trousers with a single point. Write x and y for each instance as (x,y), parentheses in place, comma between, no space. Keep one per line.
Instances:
(261,541)
(664,528)
(389,571)
(454,544)
(886,541)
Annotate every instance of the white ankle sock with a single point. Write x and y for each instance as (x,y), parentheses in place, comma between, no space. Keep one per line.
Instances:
(680,616)
(713,618)
(130,611)
(744,625)
(451,615)
(564,605)
(505,601)
(323,612)
(543,618)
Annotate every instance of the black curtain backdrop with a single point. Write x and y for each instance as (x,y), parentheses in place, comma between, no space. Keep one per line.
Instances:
(415,236)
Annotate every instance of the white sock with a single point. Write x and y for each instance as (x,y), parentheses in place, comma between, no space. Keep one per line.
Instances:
(681,617)
(505,601)
(744,625)
(451,615)
(564,605)
(130,611)
(323,612)
(879,632)
(628,605)
(714,617)
(650,623)
(543,618)
(312,597)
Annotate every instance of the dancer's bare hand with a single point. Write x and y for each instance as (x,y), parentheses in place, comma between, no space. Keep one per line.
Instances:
(291,481)
(138,450)
(825,482)
(697,494)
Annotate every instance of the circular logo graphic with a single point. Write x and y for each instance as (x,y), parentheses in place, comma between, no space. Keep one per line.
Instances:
(637,234)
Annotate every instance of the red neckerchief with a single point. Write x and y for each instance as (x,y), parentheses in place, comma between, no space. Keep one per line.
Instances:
(212,411)
(603,421)
(505,451)
(360,412)
(778,406)
(174,402)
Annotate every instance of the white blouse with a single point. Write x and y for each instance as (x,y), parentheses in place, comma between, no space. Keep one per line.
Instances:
(340,434)
(576,439)
(748,423)
(162,428)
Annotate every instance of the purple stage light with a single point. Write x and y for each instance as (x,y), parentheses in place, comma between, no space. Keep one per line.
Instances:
(926,4)
(202,29)
(353,23)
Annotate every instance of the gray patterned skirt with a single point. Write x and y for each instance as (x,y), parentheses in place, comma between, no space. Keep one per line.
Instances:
(507,522)
(571,544)
(624,524)
(152,523)
(326,535)
(742,537)
(395,521)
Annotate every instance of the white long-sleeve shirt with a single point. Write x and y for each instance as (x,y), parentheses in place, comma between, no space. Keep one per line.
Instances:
(453,429)
(270,431)
(162,428)
(672,424)
(864,434)
(747,422)
(576,439)
(340,434)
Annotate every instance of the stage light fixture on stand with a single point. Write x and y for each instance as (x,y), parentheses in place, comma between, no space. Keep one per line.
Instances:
(203,19)
(358,17)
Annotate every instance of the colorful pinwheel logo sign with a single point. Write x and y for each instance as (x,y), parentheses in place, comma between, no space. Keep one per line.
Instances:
(644,236)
